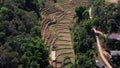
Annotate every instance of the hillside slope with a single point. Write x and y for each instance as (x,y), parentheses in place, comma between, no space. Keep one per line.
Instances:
(57,19)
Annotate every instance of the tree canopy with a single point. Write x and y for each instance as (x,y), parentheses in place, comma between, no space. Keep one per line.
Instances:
(105,18)
(20,40)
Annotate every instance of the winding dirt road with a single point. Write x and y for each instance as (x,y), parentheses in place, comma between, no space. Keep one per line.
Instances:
(100,51)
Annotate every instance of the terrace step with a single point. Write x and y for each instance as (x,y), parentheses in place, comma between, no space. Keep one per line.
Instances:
(64,35)
(62,27)
(64,30)
(62,57)
(63,51)
(65,38)
(66,21)
(58,64)
(63,46)
(62,42)
(50,39)
(63,24)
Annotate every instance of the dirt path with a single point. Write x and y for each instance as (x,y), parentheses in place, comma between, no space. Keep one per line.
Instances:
(100,51)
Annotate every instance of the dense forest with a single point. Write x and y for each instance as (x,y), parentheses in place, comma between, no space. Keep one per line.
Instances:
(106,19)
(20,41)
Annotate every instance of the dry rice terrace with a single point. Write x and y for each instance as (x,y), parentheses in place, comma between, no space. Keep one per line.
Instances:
(57,19)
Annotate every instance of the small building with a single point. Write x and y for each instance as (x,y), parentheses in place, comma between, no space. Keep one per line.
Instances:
(113,1)
(114,36)
(53,57)
(115,54)
(99,64)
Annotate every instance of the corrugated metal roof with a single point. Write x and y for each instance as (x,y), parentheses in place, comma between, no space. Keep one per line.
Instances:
(113,1)
(99,64)
(114,36)
(115,53)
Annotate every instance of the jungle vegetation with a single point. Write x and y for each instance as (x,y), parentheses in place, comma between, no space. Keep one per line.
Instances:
(20,41)
(106,17)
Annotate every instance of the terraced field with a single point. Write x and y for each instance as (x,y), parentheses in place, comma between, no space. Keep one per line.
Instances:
(57,19)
